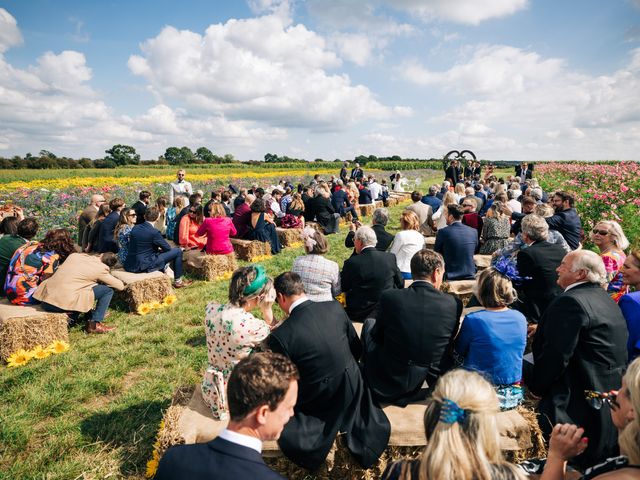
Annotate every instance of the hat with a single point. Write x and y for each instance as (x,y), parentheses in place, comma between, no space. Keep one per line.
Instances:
(233,189)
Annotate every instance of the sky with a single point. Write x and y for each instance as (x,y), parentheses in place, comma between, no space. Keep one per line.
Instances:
(507,79)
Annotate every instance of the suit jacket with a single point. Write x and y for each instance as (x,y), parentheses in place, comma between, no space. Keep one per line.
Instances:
(321,209)
(145,243)
(457,243)
(384,238)
(71,286)
(85,218)
(364,197)
(413,341)
(568,224)
(363,279)
(106,242)
(140,208)
(424,213)
(453,174)
(433,201)
(538,261)
(343,173)
(580,345)
(357,173)
(339,201)
(219,459)
(332,397)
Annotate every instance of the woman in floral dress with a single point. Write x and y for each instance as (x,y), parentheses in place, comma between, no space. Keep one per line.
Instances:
(123,232)
(233,332)
(608,236)
(495,230)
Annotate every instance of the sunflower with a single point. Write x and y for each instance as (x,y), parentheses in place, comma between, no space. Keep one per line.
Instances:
(224,276)
(58,346)
(155,304)
(144,309)
(40,353)
(20,358)
(152,467)
(169,300)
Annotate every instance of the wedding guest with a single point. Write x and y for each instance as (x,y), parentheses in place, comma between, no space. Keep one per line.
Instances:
(188,230)
(423,212)
(566,219)
(161,223)
(25,232)
(180,187)
(87,215)
(630,303)
(195,200)
(218,229)
(294,217)
(242,216)
(106,239)
(141,205)
(457,243)
(263,227)
(608,236)
(320,276)
(92,232)
(495,229)
(172,213)
(379,221)
(407,242)
(122,231)
(440,216)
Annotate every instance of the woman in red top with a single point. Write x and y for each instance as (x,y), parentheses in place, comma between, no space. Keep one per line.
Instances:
(217,228)
(188,231)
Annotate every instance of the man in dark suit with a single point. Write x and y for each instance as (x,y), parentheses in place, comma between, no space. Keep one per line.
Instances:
(357,173)
(538,262)
(141,205)
(379,220)
(321,210)
(149,252)
(411,341)
(524,172)
(340,201)
(106,240)
(431,199)
(580,345)
(453,173)
(320,340)
(236,453)
(366,275)
(566,219)
(457,243)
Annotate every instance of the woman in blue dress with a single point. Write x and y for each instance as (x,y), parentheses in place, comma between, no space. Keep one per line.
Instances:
(262,226)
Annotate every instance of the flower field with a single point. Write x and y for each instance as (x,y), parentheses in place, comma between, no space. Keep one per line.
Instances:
(603,191)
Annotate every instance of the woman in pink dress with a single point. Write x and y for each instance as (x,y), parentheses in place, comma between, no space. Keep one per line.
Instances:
(608,236)
(217,228)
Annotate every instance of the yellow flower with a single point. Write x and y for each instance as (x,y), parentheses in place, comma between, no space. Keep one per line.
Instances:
(144,309)
(152,468)
(342,299)
(169,300)
(58,346)
(40,353)
(224,276)
(20,358)
(260,258)
(155,304)
(295,245)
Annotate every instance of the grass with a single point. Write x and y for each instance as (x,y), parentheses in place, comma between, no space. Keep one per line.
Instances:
(93,412)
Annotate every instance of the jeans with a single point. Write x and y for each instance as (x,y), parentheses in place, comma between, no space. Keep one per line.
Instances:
(174,255)
(351,209)
(103,296)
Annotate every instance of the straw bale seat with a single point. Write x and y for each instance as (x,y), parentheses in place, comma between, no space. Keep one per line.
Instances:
(392,201)
(482,261)
(367,209)
(378,203)
(24,327)
(250,249)
(143,288)
(430,242)
(289,236)
(463,289)
(315,225)
(209,267)
(190,421)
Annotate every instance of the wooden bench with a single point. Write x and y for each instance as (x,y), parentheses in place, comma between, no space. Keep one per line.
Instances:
(289,236)
(209,267)
(25,327)
(143,288)
(250,249)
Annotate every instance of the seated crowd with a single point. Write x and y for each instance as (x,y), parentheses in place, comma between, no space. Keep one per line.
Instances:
(578,308)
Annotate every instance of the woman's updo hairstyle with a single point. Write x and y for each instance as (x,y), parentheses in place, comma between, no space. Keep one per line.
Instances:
(241,279)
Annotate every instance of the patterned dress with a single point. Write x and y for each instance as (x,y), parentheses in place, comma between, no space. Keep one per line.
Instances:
(232,333)
(495,232)
(613,260)
(123,242)
(29,266)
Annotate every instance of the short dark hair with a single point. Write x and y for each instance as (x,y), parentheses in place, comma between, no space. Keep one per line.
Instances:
(258,206)
(28,228)
(152,214)
(288,284)
(116,203)
(109,259)
(566,197)
(259,379)
(456,211)
(527,200)
(416,196)
(9,225)
(144,194)
(425,262)
(194,198)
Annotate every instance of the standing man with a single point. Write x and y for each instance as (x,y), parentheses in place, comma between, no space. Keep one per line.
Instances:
(453,173)
(580,345)
(180,187)
(141,205)
(235,454)
(87,215)
(357,173)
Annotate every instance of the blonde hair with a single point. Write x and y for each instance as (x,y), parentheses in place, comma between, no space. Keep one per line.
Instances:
(630,437)
(544,210)
(216,210)
(449,198)
(459,188)
(618,238)
(467,449)
(494,290)
(409,221)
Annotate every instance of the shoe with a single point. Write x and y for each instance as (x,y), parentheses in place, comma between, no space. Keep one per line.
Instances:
(183,283)
(98,327)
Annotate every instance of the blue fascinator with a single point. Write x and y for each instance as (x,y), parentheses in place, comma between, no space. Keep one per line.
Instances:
(450,412)
(507,266)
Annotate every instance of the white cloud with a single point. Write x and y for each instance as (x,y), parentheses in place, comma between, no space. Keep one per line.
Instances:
(9,32)
(262,69)
(79,34)
(470,12)
(354,47)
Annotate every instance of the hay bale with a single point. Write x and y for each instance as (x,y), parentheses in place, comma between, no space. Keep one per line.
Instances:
(143,288)
(250,249)
(25,327)
(482,261)
(430,242)
(211,267)
(378,204)
(367,210)
(392,201)
(315,225)
(463,289)
(289,236)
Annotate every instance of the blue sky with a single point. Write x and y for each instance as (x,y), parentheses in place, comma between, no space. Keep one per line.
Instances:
(509,79)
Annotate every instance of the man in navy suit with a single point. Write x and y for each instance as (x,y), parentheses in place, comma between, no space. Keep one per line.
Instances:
(431,199)
(106,240)
(457,243)
(340,201)
(149,252)
(565,220)
(261,393)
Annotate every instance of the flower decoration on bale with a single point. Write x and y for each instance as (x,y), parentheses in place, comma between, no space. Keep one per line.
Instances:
(22,356)
(152,464)
(148,307)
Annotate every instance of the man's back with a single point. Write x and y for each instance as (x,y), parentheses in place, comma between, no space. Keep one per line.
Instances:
(144,243)
(457,243)
(106,240)
(413,335)
(433,201)
(568,224)
(219,459)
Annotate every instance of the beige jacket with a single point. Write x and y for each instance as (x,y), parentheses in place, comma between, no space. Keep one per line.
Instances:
(425,214)
(70,287)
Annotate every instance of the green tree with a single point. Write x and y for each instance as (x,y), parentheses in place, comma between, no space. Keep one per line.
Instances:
(178,156)
(228,158)
(204,154)
(47,154)
(122,155)
(270,157)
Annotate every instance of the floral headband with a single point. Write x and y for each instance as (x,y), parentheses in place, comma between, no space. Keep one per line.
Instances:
(507,267)
(307,237)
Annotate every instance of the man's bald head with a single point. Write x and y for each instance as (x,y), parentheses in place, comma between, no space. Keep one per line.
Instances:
(97,199)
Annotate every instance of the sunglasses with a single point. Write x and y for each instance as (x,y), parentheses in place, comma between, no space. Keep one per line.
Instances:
(601,232)
(131,215)
(597,399)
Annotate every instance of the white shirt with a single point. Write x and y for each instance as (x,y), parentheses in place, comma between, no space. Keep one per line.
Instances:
(405,245)
(297,302)
(515,205)
(574,285)
(375,190)
(275,208)
(241,439)
(182,187)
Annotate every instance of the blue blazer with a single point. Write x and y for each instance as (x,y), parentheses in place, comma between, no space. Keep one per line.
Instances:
(457,243)
(106,242)
(145,242)
(339,200)
(219,459)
